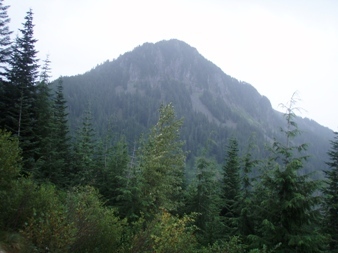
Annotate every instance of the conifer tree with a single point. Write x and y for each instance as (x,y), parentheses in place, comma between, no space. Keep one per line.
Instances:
(44,127)
(129,202)
(246,221)
(331,196)
(161,161)
(20,92)
(231,189)
(5,53)
(287,207)
(60,134)
(84,152)
(110,179)
(204,198)
(5,40)
(51,131)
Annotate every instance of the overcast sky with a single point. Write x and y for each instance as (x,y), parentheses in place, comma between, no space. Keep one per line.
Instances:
(278,46)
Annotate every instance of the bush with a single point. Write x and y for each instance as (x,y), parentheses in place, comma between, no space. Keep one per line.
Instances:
(49,230)
(166,233)
(98,229)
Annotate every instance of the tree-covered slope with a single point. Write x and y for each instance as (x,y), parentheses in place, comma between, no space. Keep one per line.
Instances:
(125,94)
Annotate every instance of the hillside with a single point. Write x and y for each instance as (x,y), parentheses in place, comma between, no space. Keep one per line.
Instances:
(126,93)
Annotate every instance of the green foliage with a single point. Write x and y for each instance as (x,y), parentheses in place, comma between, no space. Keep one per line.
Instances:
(233,245)
(21,92)
(10,159)
(330,191)
(203,198)
(246,221)
(61,149)
(49,229)
(98,229)
(166,233)
(287,204)
(84,152)
(161,161)
(113,171)
(10,165)
(5,40)
(13,243)
(231,189)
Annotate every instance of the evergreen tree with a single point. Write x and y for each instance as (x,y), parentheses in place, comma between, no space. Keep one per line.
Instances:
(5,53)
(231,189)
(161,161)
(5,40)
(44,110)
(53,163)
(112,171)
(60,135)
(129,200)
(331,196)
(287,207)
(203,197)
(20,92)
(246,221)
(84,152)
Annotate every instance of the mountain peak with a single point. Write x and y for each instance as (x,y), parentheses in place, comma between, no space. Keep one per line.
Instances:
(172,44)
(133,86)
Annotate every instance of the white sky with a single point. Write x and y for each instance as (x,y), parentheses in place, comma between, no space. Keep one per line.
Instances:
(278,46)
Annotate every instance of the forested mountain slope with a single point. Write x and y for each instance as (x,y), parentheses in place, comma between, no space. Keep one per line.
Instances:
(125,94)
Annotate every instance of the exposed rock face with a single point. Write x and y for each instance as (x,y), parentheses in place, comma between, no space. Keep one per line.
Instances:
(175,61)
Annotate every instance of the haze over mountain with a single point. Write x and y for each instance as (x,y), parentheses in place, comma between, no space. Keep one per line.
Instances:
(126,93)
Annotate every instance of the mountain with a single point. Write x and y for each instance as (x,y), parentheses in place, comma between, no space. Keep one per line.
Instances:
(125,94)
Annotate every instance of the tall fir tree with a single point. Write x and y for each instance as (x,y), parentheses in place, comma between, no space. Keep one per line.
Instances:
(84,152)
(112,169)
(286,203)
(5,40)
(162,161)
(54,149)
(21,91)
(60,136)
(5,54)
(48,164)
(129,202)
(231,189)
(246,222)
(330,191)
(204,198)
(44,118)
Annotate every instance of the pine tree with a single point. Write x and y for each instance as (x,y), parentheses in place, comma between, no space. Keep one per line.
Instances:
(129,202)
(231,189)
(48,166)
(5,53)
(5,40)
(43,118)
(331,196)
(111,177)
(84,152)
(60,136)
(246,221)
(54,162)
(203,198)
(162,161)
(287,207)
(20,92)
